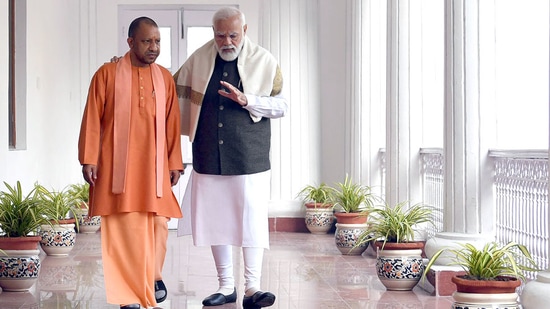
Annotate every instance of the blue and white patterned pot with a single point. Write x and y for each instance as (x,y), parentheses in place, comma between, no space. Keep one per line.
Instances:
(57,240)
(19,269)
(399,270)
(87,224)
(319,220)
(346,237)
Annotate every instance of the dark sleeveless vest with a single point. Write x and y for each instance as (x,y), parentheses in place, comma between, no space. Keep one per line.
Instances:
(227,141)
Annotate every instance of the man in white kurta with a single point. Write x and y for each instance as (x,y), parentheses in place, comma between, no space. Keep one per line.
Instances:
(229,89)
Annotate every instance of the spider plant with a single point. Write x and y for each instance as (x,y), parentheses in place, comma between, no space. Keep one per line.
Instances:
(20,215)
(317,195)
(396,224)
(490,262)
(80,192)
(353,197)
(57,205)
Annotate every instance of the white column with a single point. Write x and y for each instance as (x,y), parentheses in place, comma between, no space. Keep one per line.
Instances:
(402,146)
(463,149)
(365,101)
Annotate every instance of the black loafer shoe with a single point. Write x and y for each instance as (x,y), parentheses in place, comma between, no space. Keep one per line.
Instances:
(160,291)
(217,299)
(132,306)
(258,300)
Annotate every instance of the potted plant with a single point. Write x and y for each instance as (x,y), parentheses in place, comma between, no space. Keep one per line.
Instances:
(492,269)
(352,202)
(318,204)
(399,262)
(20,218)
(86,223)
(58,238)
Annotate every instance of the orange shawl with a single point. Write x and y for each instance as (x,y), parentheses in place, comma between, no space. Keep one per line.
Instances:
(123,96)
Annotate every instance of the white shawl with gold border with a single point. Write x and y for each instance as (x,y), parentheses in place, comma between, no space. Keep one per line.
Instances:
(258,69)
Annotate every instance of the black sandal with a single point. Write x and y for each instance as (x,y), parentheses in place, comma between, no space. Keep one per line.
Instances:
(160,291)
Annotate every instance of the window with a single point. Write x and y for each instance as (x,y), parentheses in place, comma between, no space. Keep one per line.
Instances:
(17,78)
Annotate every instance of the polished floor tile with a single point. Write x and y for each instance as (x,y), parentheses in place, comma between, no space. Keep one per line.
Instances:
(304,271)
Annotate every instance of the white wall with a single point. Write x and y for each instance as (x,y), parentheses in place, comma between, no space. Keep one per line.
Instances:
(53,97)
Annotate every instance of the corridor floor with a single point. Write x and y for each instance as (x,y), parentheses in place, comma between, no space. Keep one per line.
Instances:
(304,271)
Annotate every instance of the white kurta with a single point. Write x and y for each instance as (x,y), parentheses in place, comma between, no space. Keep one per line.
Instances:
(227,210)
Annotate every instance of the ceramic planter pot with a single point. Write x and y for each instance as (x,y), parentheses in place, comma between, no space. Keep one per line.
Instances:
(399,266)
(346,237)
(319,219)
(58,239)
(20,263)
(89,225)
(535,293)
(477,294)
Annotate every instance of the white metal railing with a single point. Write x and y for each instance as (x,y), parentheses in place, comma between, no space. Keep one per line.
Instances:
(521,200)
(520,197)
(432,185)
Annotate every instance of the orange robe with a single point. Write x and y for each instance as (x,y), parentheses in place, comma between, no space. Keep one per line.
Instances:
(96,145)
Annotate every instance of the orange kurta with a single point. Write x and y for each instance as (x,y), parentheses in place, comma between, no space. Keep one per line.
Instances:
(96,145)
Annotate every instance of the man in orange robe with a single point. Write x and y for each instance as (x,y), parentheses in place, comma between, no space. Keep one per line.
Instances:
(130,151)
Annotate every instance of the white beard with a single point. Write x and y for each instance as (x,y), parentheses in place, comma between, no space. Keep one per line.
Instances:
(231,52)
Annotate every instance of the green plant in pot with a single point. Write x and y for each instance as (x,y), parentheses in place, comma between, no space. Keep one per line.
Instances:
(81,193)
(20,215)
(58,206)
(491,269)
(397,224)
(317,201)
(317,196)
(352,200)
(86,223)
(399,262)
(20,218)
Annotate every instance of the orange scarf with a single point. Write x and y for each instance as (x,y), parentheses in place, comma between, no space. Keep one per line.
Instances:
(123,98)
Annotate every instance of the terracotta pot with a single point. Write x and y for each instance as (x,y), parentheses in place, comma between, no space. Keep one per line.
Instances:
(351,217)
(20,243)
(317,205)
(399,245)
(508,285)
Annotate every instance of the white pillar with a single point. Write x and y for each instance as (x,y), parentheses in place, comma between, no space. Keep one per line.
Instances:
(365,92)
(402,144)
(463,150)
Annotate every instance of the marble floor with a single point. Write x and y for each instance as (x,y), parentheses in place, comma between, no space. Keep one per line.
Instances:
(304,271)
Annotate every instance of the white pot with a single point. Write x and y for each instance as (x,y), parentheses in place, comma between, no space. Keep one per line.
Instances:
(57,239)
(485,301)
(319,220)
(536,293)
(399,270)
(346,237)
